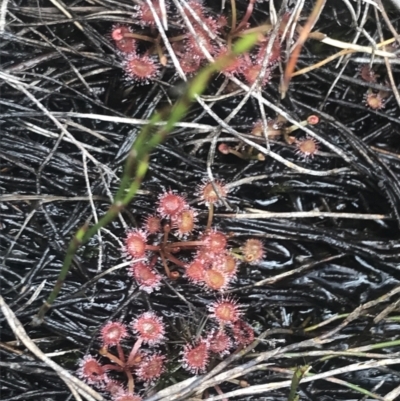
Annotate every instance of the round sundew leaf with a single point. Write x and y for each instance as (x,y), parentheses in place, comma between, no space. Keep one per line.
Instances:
(195,358)
(149,328)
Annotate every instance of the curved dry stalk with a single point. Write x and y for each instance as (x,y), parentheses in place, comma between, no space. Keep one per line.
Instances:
(83,389)
(306,29)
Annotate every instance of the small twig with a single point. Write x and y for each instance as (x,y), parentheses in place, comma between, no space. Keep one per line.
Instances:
(3,12)
(133,121)
(312,19)
(297,215)
(388,66)
(48,198)
(102,274)
(278,277)
(66,13)
(167,44)
(357,48)
(33,297)
(15,239)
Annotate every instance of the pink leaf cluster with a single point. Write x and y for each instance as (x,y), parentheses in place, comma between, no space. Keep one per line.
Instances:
(139,44)
(146,365)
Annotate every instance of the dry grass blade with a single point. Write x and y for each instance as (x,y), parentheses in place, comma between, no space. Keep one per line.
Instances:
(83,389)
(306,29)
(326,291)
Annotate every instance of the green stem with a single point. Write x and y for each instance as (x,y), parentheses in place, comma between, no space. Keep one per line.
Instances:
(138,160)
(297,376)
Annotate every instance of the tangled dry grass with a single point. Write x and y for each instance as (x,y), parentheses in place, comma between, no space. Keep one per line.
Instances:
(325,299)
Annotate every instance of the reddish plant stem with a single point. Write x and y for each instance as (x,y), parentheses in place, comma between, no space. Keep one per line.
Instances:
(210,216)
(237,153)
(219,391)
(161,56)
(134,351)
(167,229)
(133,35)
(153,261)
(156,248)
(247,16)
(108,366)
(175,260)
(164,261)
(121,353)
(131,383)
(104,352)
(184,244)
